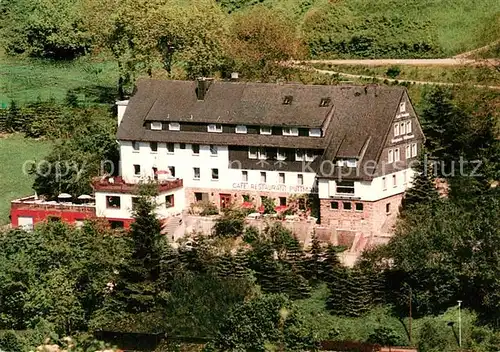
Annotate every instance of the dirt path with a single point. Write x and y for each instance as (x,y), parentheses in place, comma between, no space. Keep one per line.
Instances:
(410,62)
(468,54)
(382,79)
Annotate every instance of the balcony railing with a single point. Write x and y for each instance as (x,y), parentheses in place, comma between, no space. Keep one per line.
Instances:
(118,185)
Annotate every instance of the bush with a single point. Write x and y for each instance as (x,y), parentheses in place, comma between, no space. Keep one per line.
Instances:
(208,208)
(230,224)
(393,71)
(269,205)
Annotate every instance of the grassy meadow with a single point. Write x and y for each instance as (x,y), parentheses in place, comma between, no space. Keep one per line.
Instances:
(14,151)
(26,80)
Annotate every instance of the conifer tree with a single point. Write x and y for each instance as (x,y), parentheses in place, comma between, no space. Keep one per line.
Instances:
(358,294)
(138,284)
(423,190)
(338,284)
(331,264)
(314,268)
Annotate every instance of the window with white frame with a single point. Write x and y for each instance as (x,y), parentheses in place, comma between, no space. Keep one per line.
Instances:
(402,128)
(390,156)
(315,132)
(310,156)
(397,155)
(174,126)
(414,150)
(281,177)
(244,176)
(394,181)
(156,125)
(408,126)
(153,146)
(290,131)
(300,179)
(351,163)
(213,150)
(195,148)
(135,146)
(262,154)
(384,183)
(402,107)
(241,129)
(396,129)
(215,174)
(407,152)
(280,155)
(214,127)
(299,155)
(263,177)
(137,170)
(196,173)
(170,148)
(345,187)
(266,130)
(253,152)
(404,178)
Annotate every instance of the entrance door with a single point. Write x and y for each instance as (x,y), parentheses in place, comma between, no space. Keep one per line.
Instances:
(225,199)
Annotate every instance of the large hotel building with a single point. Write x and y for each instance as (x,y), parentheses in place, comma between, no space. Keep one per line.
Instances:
(230,142)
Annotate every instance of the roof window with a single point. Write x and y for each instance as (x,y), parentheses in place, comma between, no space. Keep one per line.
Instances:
(287,100)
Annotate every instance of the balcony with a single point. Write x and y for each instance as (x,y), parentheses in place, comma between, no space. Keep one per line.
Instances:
(118,185)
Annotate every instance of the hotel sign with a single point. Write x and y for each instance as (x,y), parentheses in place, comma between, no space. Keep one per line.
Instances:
(264,187)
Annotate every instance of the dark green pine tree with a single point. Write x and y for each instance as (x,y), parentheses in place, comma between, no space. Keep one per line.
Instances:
(294,284)
(240,267)
(170,266)
(196,256)
(224,265)
(295,256)
(423,190)
(331,264)
(138,284)
(359,295)
(377,282)
(314,267)
(338,285)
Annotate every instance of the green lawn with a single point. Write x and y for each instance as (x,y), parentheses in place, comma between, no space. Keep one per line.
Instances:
(26,80)
(15,150)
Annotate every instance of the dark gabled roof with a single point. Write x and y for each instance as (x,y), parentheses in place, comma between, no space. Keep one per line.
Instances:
(358,118)
(231,103)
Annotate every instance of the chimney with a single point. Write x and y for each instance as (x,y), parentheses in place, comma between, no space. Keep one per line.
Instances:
(122,106)
(202,87)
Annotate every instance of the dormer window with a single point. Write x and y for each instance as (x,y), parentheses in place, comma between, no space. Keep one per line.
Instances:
(241,129)
(310,155)
(157,126)
(266,130)
(315,132)
(299,155)
(290,131)
(287,100)
(215,128)
(174,126)
(325,102)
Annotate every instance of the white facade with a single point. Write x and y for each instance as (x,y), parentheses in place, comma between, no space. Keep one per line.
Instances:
(124,211)
(379,188)
(185,161)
